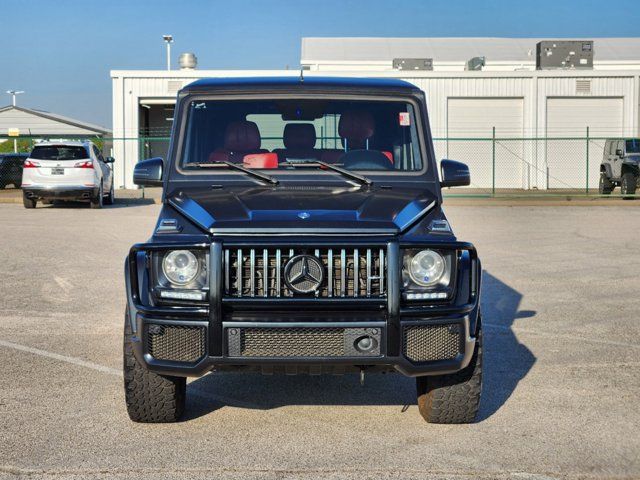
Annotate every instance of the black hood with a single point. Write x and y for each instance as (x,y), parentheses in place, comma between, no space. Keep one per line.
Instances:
(295,208)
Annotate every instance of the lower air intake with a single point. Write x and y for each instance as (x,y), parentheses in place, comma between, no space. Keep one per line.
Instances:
(176,343)
(432,342)
(303,342)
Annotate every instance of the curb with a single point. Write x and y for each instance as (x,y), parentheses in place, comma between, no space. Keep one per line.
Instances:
(131,201)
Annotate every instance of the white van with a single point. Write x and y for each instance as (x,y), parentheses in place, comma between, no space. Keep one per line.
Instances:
(67,171)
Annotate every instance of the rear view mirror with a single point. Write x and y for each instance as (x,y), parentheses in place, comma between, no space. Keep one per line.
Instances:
(148,173)
(619,152)
(109,160)
(454,174)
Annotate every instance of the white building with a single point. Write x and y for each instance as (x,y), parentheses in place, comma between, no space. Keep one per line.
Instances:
(508,96)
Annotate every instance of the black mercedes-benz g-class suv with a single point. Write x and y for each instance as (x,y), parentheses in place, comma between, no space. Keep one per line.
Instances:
(302,231)
(620,166)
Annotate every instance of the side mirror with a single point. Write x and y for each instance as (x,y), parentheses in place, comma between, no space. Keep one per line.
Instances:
(454,174)
(148,173)
(619,152)
(109,160)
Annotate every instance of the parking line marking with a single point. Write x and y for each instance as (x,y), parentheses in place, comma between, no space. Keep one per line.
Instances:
(62,358)
(232,402)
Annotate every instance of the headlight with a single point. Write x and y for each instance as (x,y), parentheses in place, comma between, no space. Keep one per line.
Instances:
(426,268)
(180,267)
(180,275)
(428,274)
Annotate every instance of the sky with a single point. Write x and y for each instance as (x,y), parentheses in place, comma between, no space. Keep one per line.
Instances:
(61,51)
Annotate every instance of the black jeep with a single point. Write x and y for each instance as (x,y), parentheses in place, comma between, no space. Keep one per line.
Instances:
(620,166)
(302,231)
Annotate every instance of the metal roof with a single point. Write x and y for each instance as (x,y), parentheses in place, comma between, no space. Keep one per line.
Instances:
(445,49)
(291,81)
(22,118)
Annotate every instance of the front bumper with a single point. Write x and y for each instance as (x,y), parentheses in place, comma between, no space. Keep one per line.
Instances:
(208,337)
(67,192)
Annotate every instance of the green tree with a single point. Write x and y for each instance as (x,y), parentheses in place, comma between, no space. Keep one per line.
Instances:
(24,145)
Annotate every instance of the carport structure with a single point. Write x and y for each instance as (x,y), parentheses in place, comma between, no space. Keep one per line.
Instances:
(21,122)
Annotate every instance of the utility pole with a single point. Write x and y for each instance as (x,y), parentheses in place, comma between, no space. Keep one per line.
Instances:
(14,94)
(168,40)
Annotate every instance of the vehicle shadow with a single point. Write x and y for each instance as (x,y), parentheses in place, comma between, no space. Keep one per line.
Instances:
(507,361)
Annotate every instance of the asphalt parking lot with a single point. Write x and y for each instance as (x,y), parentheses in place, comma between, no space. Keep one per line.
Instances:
(561,389)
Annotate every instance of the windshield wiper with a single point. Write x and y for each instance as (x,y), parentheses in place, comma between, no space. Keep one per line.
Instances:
(235,166)
(345,173)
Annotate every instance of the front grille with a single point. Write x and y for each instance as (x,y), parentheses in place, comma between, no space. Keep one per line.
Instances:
(307,342)
(175,343)
(431,342)
(348,272)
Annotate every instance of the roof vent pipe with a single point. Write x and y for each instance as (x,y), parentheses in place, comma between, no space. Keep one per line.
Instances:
(188,61)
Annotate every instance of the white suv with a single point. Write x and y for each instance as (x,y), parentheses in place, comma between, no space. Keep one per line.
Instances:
(67,171)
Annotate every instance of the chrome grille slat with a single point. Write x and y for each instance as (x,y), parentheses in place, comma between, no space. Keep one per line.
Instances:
(343,272)
(368,272)
(239,273)
(226,272)
(356,273)
(252,274)
(330,272)
(349,272)
(265,273)
(278,270)
(381,270)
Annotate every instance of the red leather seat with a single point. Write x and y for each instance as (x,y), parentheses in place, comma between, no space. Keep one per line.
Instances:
(240,138)
(356,127)
(299,142)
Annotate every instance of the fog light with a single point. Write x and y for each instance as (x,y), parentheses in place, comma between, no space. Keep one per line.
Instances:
(365,344)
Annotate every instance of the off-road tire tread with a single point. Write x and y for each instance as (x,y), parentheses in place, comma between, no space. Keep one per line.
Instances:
(452,398)
(606,186)
(628,178)
(150,398)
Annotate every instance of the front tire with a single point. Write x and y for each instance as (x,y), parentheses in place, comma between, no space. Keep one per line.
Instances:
(28,202)
(606,186)
(96,202)
(628,185)
(150,398)
(452,398)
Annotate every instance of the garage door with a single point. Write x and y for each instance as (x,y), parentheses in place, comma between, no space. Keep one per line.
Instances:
(474,118)
(570,117)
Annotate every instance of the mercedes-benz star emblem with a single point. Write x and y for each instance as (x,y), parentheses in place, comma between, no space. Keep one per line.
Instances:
(304,273)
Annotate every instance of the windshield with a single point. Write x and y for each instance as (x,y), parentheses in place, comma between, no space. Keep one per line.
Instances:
(278,133)
(59,152)
(632,146)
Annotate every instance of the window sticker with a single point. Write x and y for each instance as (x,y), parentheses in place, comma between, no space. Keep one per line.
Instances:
(404,119)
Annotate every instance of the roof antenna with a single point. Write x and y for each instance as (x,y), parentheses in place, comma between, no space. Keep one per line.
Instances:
(301,74)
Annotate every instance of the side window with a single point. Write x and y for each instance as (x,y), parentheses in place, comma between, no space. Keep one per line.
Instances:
(98,154)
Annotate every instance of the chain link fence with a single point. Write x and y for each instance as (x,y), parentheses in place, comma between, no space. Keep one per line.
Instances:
(499,166)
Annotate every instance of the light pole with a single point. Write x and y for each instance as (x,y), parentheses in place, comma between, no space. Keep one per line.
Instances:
(14,94)
(168,40)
